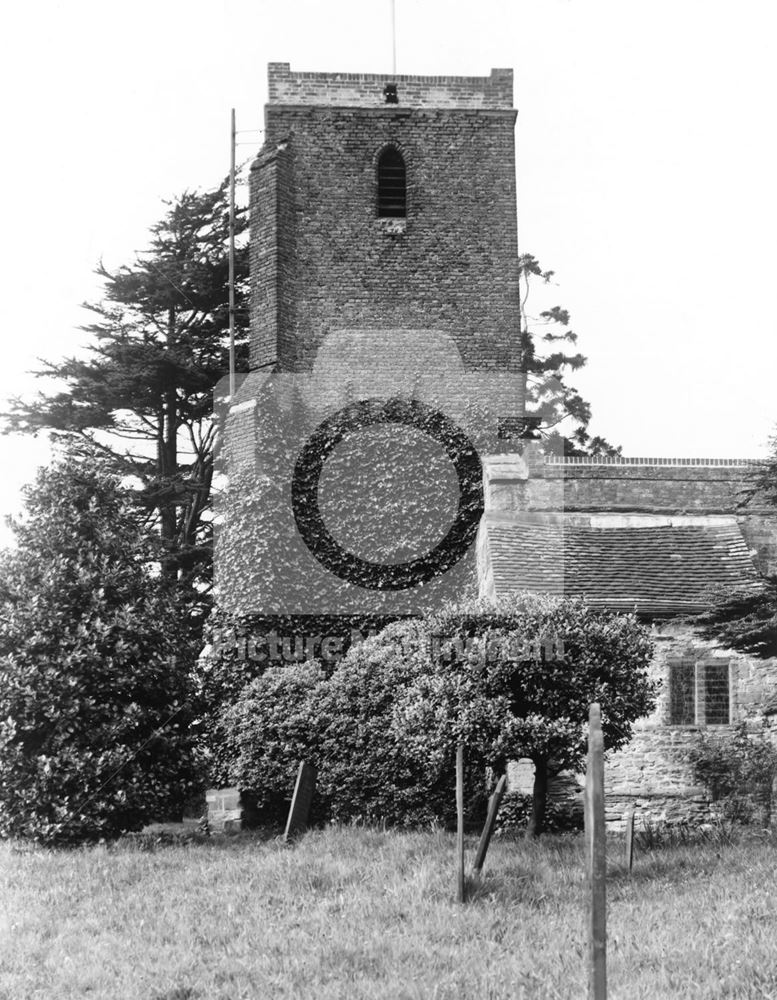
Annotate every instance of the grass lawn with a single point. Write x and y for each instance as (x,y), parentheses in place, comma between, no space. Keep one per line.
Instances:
(354,913)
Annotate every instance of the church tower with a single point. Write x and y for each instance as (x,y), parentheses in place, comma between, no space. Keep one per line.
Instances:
(385,203)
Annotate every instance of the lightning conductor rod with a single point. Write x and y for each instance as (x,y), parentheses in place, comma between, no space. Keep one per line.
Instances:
(232,139)
(394,37)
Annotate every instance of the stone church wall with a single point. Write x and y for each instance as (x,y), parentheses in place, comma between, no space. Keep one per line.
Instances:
(653,772)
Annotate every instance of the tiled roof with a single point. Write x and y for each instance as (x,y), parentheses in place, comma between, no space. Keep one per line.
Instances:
(660,569)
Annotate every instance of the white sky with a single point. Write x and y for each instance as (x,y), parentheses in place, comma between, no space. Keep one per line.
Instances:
(647,174)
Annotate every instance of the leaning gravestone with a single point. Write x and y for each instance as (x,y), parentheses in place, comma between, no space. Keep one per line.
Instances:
(488,830)
(300,804)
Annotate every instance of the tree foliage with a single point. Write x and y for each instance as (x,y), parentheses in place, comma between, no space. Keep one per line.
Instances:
(259,739)
(383,729)
(555,403)
(746,619)
(738,770)
(94,689)
(142,392)
(509,700)
(346,724)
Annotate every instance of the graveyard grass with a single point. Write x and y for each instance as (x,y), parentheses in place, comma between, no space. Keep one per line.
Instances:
(358,913)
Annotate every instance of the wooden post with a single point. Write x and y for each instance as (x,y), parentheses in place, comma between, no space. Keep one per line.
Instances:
(596,858)
(630,839)
(460,892)
(485,838)
(304,788)
(232,142)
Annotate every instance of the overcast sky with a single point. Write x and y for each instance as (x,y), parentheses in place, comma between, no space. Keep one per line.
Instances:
(647,174)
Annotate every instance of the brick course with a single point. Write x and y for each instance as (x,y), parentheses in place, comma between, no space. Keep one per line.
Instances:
(366,89)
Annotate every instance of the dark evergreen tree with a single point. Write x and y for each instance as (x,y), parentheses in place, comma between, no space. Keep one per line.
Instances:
(143,393)
(95,690)
(550,400)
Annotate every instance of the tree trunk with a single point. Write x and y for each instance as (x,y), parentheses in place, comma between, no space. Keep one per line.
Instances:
(539,798)
(169,466)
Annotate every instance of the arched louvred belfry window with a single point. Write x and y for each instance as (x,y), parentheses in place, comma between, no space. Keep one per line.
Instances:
(392,184)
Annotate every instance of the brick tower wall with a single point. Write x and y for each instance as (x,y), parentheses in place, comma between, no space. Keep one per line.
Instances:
(321,259)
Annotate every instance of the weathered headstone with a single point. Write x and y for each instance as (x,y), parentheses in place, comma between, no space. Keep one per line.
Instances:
(460,887)
(225,812)
(485,838)
(596,858)
(304,789)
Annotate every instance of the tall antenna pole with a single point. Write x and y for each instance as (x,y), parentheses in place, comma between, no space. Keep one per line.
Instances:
(232,137)
(394,37)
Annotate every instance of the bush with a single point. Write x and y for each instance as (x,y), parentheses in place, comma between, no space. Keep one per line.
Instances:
(94,691)
(383,729)
(737,770)
(514,679)
(347,725)
(237,647)
(259,741)
(370,770)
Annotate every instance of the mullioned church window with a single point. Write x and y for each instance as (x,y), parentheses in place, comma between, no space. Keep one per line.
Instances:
(699,692)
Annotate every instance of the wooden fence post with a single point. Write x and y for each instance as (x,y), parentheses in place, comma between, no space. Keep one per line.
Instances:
(488,830)
(460,888)
(630,839)
(596,858)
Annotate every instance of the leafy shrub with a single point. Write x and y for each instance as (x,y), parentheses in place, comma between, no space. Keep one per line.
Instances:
(384,728)
(345,725)
(738,770)
(94,689)
(238,647)
(512,698)
(370,770)
(260,740)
